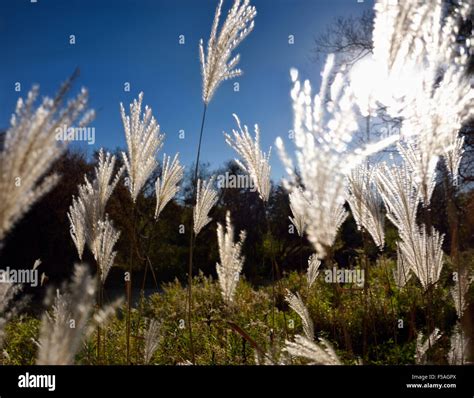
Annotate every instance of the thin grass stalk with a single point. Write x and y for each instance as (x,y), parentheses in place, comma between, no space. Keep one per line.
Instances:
(302,270)
(366,287)
(192,239)
(267,221)
(147,264)
(394,313)
(99,306)
(129,282)
(453,221)
(428,295)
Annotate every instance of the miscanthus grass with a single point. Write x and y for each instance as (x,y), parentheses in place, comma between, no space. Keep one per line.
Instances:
(91,226)
(167,186)
(231,260)
(323,128)
(421,59)
(31,147)
(304,346)
(144,140)
(252,160)
(217,65)
(71,320)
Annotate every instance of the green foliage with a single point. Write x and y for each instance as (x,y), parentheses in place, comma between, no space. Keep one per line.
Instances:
(362,324)
(19,345)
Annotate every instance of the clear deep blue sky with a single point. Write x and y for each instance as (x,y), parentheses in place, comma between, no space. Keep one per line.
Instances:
(136,41)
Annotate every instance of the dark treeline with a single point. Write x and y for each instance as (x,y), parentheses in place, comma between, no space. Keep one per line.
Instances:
(162,246)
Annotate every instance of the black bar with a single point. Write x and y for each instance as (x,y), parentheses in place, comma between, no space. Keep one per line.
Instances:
(317,381)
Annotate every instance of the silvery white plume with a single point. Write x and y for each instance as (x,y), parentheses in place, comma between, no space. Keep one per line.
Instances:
(166,186)
(419,250)
(313,269)
(401,273)
(422,347)
(152,339)
(297,207)
(452,158)
(253,161)
(320,155)
(230,254)
(103,246)
(424,254)
(304,346)
(423,60)
(105,181)
(323,128)
(296,304)
(422,167)
(318,354)
(64,329)
(78,228)
(31,147)
(206,198)
(143,141)
(366,204)
(400,195)
(460,289)
(88,209)
(217,65)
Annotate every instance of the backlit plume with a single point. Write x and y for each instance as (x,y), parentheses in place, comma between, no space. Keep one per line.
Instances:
(217,65)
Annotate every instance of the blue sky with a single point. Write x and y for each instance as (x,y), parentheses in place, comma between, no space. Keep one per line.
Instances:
(136,41)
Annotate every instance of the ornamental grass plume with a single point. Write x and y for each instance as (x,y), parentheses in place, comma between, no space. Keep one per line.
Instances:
(88,209)
(422,347)
(31,147)
(206,198)
(253,161)
(323,129)
(91,226)
(424,254)
(419,249)
(304,346)
(424,59)
(77,221)
(103,247)
(366,204)
(319,155)
(70,321)
(313,269)
(296,304)
(317,354)
(400,196)
(297,205)
(166,186)
(452,158)
(144,140)
(152,339)
(216,65)
(231,259)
